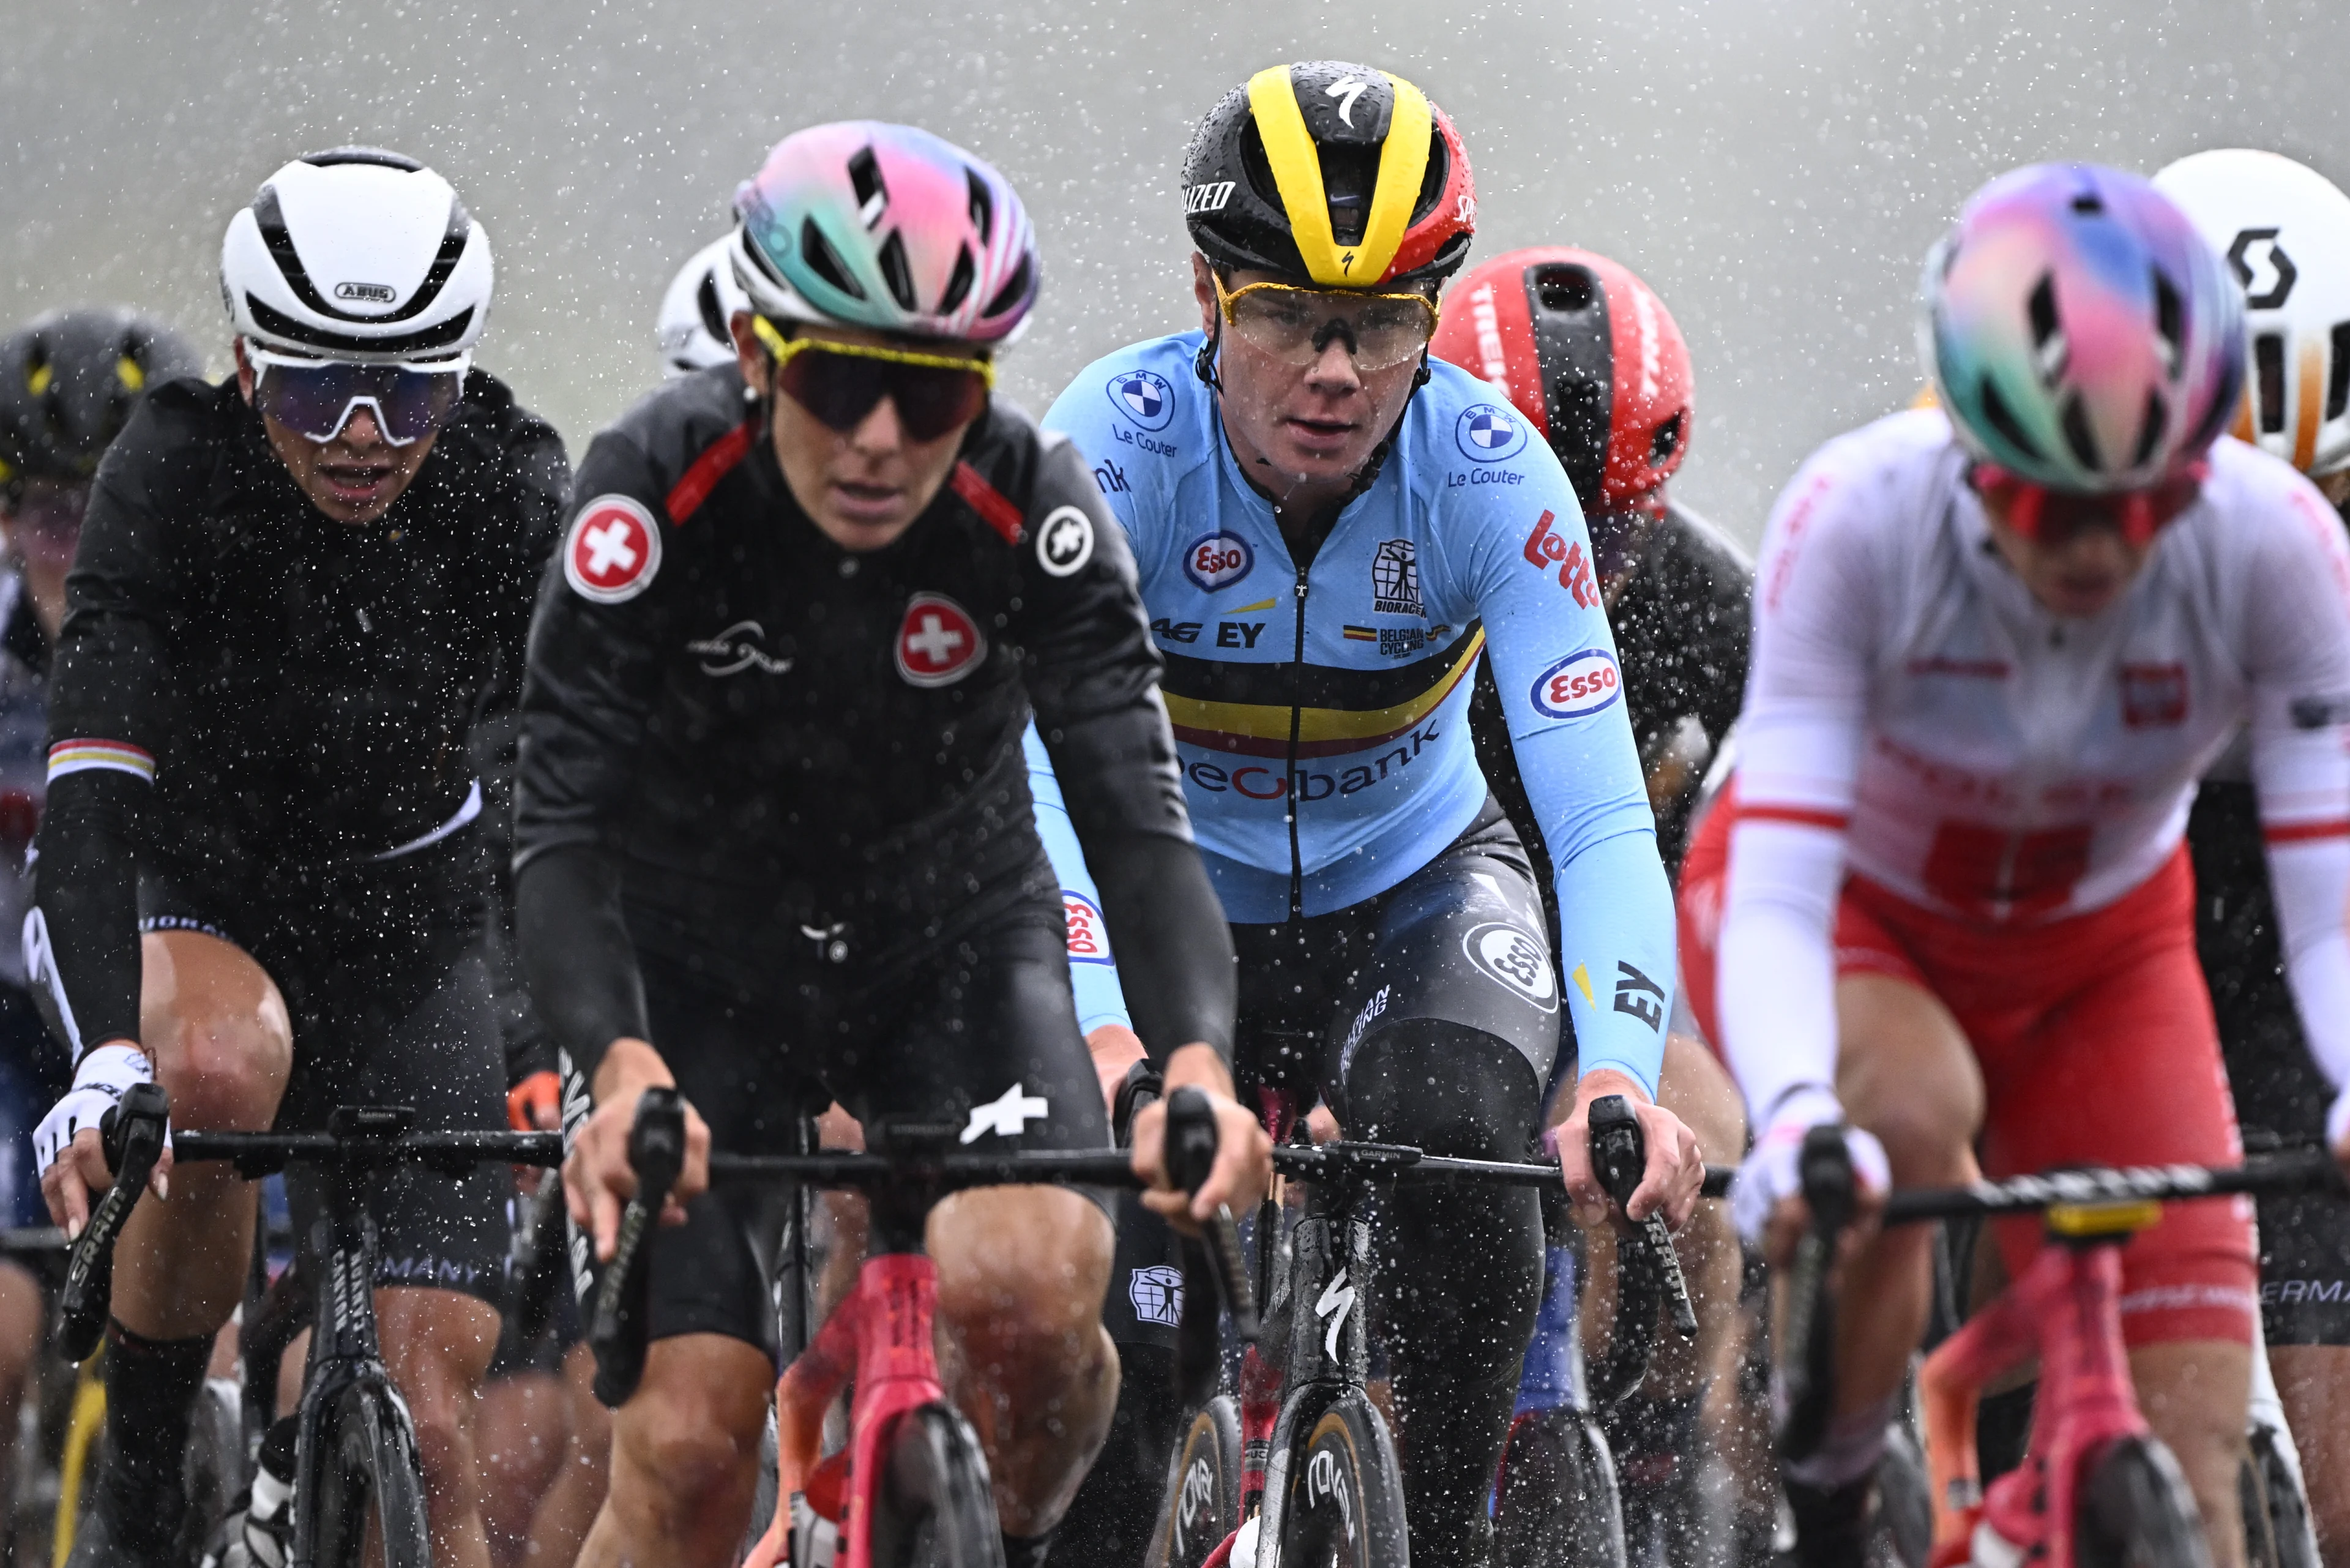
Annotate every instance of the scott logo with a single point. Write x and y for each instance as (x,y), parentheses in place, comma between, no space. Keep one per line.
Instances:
(2262,266)
(1580,683)
(367,293)
(1208,198)
(1218,561)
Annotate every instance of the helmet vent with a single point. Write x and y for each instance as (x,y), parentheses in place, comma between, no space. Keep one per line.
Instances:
(2049,350)
(1578,435)
(825,262)
(982,207)
(2150,437)
(1014,289)
(896,273)
(2089,204)
(2074,423)
(959,282)
(705,302)
(1665,441)
(2171,322)
(380,157)
(864,178)
(2267,381)
(2002,418)
(1565,290)
(2337,379)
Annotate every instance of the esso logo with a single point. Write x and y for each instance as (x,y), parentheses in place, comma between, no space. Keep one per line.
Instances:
(1218,561)
(1088,936)
(1580,683)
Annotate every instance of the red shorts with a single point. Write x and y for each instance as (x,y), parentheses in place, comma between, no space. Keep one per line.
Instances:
(2097,1047)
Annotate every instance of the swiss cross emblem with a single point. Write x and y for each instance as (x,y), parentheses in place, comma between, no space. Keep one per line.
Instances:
(613,551)
(938,642)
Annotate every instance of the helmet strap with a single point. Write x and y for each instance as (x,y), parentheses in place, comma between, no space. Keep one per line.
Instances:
(1203,364)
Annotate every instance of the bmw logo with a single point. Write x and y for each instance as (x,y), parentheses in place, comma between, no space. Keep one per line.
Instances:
(1488,433)
(1143,397)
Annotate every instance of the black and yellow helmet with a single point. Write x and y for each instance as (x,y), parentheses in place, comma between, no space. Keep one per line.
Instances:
(68,382)
(1333,174)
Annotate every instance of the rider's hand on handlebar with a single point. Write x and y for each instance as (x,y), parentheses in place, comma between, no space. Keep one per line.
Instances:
(1767,1199)
(1116,1049)
(1243,1167)
(598,1180)
(1676,1167)
(69,1150)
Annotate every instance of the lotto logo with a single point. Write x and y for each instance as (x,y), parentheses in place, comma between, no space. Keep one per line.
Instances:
(1545,548)
(1218,560)
(1580,683)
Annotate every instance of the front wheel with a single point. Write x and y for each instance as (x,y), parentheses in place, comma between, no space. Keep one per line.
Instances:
(369,1467)
(2277,1530)
(1202,1504)
(934,1507)
(2136,1510)
(1344,1493)
(1555,1504)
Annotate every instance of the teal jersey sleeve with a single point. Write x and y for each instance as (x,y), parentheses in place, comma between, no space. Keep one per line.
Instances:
(1093,970)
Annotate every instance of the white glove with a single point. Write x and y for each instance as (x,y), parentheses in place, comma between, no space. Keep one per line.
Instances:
(99,1081)
(1773,1170)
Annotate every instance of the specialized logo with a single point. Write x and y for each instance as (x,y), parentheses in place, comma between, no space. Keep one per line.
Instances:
(614,550)
(2262,266)
(740,647)
(1064,542)
(1516,959)
(1006,1115)
(1580,683)
(1217,561)
(2153,696)
(1347,91)
(367,293)
(1208,198)
(1487,432)
(938,642)
(1157,1293)
(1395,579)
(1088,936)
(1337,1301)
(1144,397)
(1546,548)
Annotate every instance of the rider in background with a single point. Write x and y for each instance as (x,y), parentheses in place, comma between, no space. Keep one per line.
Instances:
(69,380)
(1591,356)
(1330,528)
(1996,642)
(2285,231)
(260,880)
(695,309)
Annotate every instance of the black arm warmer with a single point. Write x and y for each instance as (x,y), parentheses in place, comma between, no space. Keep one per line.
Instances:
(86,982)
(1174,951)
(577,954)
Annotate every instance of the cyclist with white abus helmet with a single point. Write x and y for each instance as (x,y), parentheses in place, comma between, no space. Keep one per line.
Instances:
(1996,642)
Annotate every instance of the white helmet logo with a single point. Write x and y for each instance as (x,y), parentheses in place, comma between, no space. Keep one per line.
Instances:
(368,292)
(1347,92)
(2263,268)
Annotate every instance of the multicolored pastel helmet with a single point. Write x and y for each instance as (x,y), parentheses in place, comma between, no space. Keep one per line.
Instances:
(2080,332)
(862,224)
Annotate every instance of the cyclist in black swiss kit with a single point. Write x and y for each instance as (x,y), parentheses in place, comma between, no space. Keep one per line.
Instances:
(775,837)
(291,592)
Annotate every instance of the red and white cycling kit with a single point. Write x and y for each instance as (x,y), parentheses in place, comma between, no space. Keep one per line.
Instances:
(1940,779)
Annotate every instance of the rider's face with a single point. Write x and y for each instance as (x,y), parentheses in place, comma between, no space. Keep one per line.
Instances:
(2076,572)
(861,487)
(1294,425)
(353,478)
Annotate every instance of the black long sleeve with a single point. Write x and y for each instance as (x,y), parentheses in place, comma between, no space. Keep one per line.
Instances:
(83,943)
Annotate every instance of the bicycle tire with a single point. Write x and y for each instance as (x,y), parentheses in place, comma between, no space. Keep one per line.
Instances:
(1556,1501)
(1202,1502)
(2136,1510)
(933,1506)
(371,1471)
(1343,1502)
(216,1469)
(2278,1533)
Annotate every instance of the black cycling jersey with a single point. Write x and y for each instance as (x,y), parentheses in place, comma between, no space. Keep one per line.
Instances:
(1681,625)
(249,694)
(740,738)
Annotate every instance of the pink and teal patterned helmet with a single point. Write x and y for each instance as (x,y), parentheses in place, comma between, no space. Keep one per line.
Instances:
(2080,332)
(862,224)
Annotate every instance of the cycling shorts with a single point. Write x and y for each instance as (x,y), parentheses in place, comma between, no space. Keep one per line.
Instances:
(388,992)
(2096,1043)
(977,1030)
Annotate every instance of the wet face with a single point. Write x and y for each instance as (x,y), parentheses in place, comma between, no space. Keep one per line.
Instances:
(355,476)
(861,487)
(2076,572)
(1301,431)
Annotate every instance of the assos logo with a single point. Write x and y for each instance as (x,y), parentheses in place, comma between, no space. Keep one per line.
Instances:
(1488,433)
(366,292)
(1580,683)
(1218,561)
(1143,397)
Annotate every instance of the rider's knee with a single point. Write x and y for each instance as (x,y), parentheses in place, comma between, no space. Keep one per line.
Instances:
(1021,1273)
(691,1439)
(1441,1087)
(219,1030)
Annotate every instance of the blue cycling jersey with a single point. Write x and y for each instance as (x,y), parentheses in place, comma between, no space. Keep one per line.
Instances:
(1093,970)
(1321,713)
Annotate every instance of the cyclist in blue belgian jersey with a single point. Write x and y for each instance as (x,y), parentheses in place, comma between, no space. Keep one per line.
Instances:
(1330,529)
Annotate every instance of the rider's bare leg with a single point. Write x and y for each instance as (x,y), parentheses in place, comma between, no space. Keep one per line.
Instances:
(685,1457)
(2194,1393)
(2313,1381)
(437,1346)
(568,1510)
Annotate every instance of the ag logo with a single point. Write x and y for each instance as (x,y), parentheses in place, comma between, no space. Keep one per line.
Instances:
(614,550)
(1515,958)
(1580,683)
(2262,267)
(1144,397)
(1218,560)
(1157,1293)
(366,292)
(938,642)
(1066,541)
(1488,433)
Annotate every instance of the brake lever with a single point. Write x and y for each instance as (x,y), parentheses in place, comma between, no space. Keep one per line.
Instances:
(1191,1155)
(616,1333)
(1825,1168)
(1619,1157)
(134,1131)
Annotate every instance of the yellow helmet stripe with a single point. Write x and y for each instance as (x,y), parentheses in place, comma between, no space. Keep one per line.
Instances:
(1403,163)
(1297,173)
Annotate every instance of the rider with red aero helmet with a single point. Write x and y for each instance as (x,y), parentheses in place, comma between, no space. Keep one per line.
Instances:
(1996,643)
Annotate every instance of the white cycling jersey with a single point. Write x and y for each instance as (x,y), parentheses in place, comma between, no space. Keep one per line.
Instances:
(1913,715)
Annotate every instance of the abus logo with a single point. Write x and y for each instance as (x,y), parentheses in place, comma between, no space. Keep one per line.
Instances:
(1580,683)
(369,293)
(1208,198)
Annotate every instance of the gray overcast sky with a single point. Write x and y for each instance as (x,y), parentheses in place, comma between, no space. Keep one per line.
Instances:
(1774,170)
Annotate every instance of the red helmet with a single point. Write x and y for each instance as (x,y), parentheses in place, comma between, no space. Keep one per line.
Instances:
(1546,326)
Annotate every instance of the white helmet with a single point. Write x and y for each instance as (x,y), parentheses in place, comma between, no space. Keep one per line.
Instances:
(2285,231)
(358,255)
(702,299)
